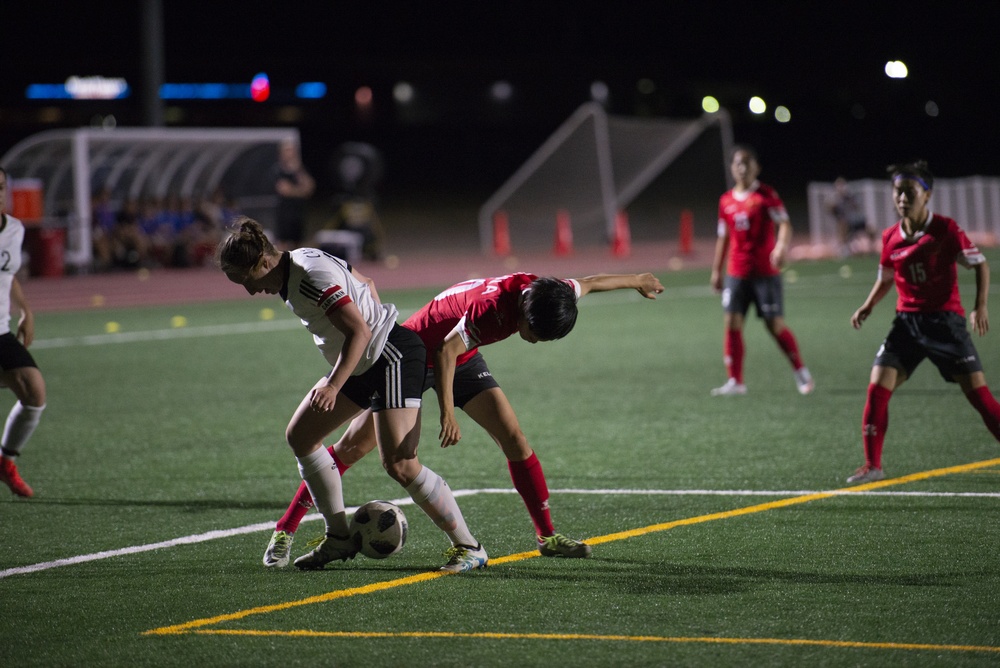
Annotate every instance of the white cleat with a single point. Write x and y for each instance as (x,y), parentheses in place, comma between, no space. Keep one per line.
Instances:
(804,381)
(867,474)
(730,389)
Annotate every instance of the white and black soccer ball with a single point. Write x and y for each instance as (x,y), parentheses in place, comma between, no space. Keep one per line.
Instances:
(378,529)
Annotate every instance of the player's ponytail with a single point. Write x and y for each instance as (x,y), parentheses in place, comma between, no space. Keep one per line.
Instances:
(243,249)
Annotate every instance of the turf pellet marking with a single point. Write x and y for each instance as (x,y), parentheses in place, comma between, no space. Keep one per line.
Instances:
(195,625)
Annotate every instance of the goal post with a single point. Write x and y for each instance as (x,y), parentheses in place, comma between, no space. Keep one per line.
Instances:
(591,167)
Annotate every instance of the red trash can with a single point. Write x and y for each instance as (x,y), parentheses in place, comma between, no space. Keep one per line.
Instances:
(46,250)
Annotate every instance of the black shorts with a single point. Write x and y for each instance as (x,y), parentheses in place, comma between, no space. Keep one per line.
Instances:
(764,292)
(940,336)
(471,378)
(396,380)
(13,354)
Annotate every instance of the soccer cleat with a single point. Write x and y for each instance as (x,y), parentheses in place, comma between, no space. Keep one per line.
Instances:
(804,381)
(331,548)
(731,388)
(463,558)
(558,545)
(867,473)
(10,477)
(279,550)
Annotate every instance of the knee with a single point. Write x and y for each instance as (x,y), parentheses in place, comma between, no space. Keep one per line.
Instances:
(515,446)
(402,470)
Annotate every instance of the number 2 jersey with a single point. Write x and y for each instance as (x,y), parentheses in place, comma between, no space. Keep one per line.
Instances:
(317,285)
(923,266)
(11,239)
(482,311)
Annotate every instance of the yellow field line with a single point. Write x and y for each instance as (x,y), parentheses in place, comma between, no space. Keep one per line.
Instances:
(188,627)
(606,638)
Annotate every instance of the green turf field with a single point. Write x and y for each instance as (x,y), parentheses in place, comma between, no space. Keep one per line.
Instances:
(722,534)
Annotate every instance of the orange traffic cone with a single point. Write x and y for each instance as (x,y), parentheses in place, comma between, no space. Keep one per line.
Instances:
(501,234)
(564,234)
(686,232)
(621,245)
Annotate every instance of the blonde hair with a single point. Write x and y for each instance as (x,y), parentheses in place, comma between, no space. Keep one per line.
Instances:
(245,247)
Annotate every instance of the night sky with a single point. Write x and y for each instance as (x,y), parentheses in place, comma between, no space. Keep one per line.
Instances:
(824,61)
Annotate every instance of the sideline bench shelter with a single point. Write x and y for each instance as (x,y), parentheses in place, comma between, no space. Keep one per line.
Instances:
(65,167)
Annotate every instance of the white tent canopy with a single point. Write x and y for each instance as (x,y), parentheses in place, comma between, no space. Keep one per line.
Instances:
(132,162)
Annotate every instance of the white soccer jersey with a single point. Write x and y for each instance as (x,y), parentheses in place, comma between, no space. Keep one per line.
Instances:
(11,240)
(318,284)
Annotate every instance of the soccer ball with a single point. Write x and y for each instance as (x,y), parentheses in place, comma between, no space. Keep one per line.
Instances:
(378,529)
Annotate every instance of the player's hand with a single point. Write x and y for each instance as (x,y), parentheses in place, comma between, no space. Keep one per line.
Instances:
(716,281)
(860,316)
(649,286)
(778,257)
(26,331)
(451,433)
(980,321)
(323,399)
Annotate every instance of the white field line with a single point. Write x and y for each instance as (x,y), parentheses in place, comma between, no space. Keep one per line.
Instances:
(269,526)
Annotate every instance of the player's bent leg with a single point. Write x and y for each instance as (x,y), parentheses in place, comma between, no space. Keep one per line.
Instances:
(492,411)
(398,435)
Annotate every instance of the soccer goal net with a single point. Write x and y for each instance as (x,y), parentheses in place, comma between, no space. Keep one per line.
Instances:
(591,168)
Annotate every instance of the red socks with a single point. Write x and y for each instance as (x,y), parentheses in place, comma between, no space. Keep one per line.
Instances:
(982,400)
(874,422)
(733,352)
(529,481)
(303,501)
(788,344)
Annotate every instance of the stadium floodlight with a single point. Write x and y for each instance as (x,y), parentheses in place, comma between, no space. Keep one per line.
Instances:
(782,114)
(757,105)
(896,69)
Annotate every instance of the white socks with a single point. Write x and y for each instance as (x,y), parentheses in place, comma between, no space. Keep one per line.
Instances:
(429,491)
(21,423)
(319,472)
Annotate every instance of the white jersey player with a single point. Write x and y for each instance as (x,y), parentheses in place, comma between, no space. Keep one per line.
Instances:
(375,364)
(18,369)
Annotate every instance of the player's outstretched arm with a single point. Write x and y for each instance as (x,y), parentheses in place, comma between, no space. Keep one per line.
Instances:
(646,284)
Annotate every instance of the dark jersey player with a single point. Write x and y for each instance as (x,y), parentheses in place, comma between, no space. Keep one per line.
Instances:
(755,232)
(453,326)
(919,254)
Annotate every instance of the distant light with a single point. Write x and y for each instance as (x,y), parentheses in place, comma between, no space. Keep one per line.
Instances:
(782,114)
(757,105)
(80,88)
(896,69)
(47,92)
(96,88)
(931,108)
(599,92)
(645,86)
(260,88)
(501,91)
(204,91)
(311,90)
(402,92)
(709,104)
(363,96)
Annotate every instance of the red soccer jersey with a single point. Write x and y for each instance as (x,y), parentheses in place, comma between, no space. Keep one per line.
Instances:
(749,218)
(485,310)
(923,266)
